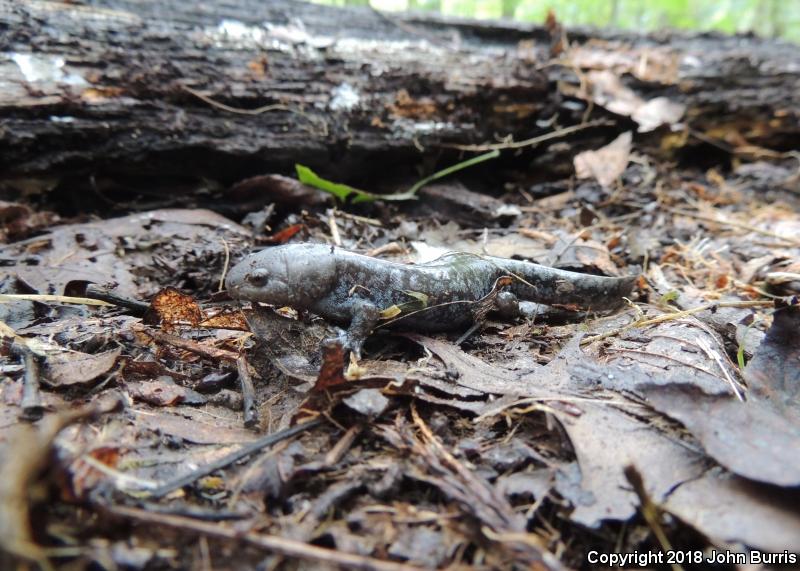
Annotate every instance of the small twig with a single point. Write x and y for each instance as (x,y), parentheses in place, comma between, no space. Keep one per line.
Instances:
(225,265)
(390,248)
(205,554)
(335,236)
(528,142)
(440,450)
(721,145)
(483,307)
(566,247)
(429,308)
(135,306)
(468,333)
(237,110)
(555,398)
(495,516)
(248,393)
(235,456)
(732,224)
(638,324)
(31,404)
(706,347)
(651,512)
(121,480)
(475,303)
(258,110)
(335,454)
(361,219)
(193,346)
(675,360)
(9,297)
(272,543)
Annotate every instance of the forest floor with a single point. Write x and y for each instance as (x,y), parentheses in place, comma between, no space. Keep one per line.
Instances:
(148,421)
(536,440)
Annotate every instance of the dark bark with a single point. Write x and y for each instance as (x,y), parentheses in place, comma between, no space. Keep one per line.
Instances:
(421,82)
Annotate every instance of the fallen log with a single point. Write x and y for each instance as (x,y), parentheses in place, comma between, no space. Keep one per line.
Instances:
(155,97)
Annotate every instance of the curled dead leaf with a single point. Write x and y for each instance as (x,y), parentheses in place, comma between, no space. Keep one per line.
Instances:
(606,164)
(175,308)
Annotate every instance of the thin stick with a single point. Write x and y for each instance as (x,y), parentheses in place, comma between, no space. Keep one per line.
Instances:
(673,316)
(473,328)
(335,454)
(273,543)
(31,404)
(235,456)
(706,347)
(557,399)
(248,393)
(188,345)
(732,224)
(258,110)
(335,236)
(135,306)
(528,142)
(237,110)
(224,265)
(9,297)
(651,512)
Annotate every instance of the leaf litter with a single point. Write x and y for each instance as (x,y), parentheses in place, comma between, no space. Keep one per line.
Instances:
(524,444)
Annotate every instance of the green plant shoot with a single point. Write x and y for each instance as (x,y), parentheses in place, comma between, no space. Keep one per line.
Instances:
(347,193)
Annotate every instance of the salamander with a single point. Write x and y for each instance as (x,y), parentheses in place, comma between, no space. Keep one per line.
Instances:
(361,292)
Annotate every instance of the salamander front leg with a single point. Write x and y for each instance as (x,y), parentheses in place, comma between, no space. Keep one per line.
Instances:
(365,317)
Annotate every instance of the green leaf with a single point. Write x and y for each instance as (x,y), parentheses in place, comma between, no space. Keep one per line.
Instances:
(340,191)
(455,168)
(390,312)
(740,357)
(740,349)
(420,303)
(668,297)
(419,296)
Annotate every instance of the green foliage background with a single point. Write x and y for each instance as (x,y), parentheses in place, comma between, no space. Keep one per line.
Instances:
(769,18)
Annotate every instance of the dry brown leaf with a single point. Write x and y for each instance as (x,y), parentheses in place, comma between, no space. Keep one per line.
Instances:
(608,91)
(606,164)
(105,252)
(194,426)
(175,308)
(656,64)
(656,112)
(229,318)
(163,391)
(24,454)
(749,438)
(74,368)
(731,510)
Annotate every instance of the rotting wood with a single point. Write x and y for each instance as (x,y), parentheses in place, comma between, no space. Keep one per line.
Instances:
(165,90)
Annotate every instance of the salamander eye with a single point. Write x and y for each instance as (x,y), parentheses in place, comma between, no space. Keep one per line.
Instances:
(258,277)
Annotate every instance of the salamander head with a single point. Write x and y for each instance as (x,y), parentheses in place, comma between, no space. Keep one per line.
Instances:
(297,275)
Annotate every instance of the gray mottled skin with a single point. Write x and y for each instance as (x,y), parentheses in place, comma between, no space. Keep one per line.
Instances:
(351,289)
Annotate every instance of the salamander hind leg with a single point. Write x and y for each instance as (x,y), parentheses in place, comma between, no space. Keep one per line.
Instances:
(504,303)
(507,305)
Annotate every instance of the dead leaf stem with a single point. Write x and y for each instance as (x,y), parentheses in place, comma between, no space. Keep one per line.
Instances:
(558,133)
(732,224)
(640,323)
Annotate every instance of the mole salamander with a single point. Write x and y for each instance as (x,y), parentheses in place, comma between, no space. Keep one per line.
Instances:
(358,291)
